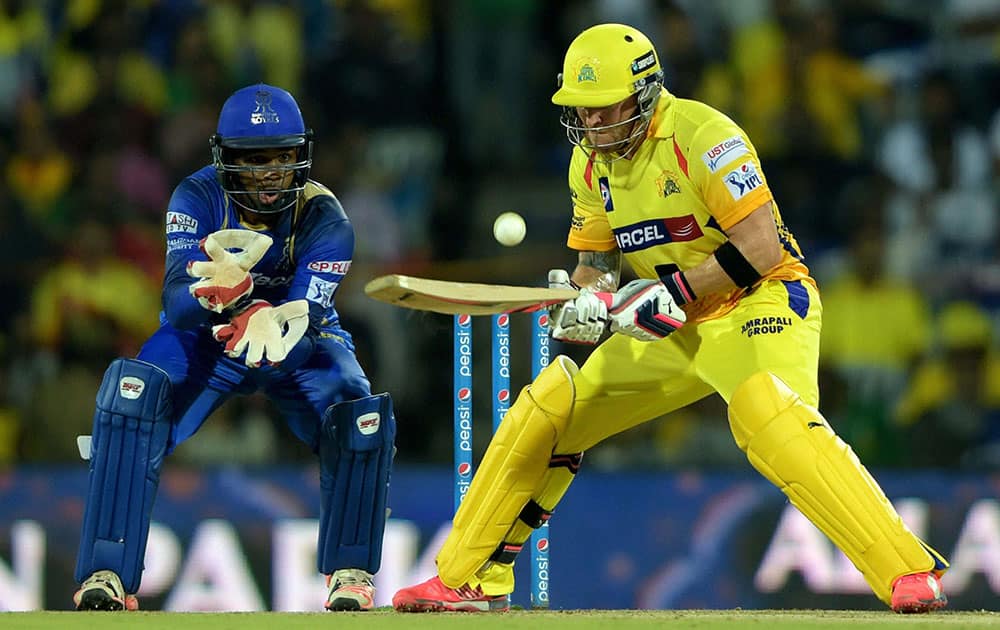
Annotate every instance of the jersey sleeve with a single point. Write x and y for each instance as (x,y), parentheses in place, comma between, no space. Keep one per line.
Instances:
(589,229)
(324,259)
(727,171)
(188,220)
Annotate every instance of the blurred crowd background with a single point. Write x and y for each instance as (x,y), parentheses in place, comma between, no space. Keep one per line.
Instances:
(877,122)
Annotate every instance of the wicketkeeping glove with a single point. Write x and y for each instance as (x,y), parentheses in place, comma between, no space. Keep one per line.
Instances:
(225,278)
(646,310)
(580,320)
(264,332)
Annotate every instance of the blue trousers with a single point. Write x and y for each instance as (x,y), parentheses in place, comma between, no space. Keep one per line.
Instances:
(203,378)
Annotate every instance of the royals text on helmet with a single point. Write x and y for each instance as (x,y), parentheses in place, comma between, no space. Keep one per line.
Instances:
(604,65)
(260,117)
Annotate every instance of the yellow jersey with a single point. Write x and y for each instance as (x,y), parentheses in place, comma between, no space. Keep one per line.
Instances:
(668,206)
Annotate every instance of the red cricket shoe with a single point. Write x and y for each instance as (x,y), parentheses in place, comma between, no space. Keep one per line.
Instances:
(434,596)
(917,593)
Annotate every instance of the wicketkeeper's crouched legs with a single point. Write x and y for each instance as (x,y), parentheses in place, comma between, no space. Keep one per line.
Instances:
(792,445)
(131,430)
(516,486)
(355,456)
(356,448)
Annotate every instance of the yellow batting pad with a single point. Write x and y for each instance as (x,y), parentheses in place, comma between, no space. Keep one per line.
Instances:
(792,445)
(512,468)
(497,578)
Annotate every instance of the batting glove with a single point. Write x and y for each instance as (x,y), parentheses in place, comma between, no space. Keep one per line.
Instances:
(646,310)
(225,277)
(580,320)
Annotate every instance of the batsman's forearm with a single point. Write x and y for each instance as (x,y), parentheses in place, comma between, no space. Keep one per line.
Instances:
(599,271)
(753,249)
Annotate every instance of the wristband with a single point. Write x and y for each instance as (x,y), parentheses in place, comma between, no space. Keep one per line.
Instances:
(736,266)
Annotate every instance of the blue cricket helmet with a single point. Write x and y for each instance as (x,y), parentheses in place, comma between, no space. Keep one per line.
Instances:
(260,117)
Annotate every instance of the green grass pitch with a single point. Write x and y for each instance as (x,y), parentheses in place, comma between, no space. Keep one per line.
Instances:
(386,619)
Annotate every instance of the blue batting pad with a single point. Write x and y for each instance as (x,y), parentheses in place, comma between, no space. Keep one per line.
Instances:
(131,428)
(355,457)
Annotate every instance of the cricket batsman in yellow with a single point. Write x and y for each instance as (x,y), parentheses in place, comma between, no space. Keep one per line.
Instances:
(723,304)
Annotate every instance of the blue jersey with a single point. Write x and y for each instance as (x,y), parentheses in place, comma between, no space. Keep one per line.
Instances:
(311,251)
(319,388)
(309,256)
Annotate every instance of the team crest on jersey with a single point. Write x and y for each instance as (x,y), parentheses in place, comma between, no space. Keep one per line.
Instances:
(576,223)
(263,112)
(742,180)
(605,187)
(666,184)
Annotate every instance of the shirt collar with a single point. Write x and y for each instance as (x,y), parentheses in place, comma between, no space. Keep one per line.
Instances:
(662,125)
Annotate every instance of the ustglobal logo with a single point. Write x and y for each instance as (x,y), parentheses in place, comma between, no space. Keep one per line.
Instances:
(645,234)
(765,325)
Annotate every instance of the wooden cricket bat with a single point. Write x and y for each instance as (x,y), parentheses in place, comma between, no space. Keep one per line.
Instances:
(458,298)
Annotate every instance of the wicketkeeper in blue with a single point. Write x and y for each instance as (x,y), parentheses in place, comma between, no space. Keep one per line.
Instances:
(255,252)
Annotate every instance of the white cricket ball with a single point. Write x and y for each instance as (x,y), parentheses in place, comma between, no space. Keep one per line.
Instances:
(509,229)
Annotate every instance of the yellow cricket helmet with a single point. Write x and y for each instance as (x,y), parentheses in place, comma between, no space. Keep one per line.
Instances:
(604,65)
